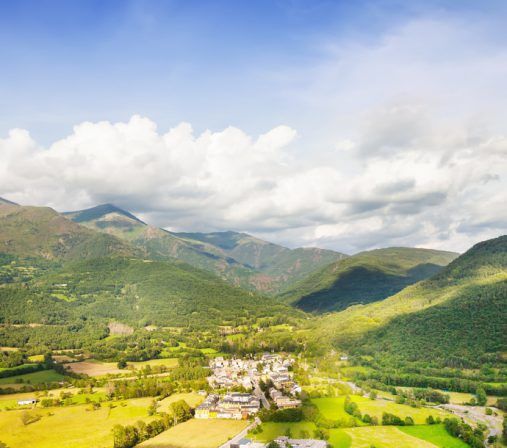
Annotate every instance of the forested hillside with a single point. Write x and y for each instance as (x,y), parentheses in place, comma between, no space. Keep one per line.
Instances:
(137,292)
(456,318)
(42,232)
(238,258)
(365,277)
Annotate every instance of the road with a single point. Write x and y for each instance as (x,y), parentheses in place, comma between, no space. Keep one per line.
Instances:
(477,414)
(260,395)
(242,434)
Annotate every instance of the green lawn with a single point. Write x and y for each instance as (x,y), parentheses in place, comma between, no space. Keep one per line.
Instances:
(271,430)
(43,376)
(435,434)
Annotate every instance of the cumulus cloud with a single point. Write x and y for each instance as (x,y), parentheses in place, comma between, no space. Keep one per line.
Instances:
(443,197)
(418,154)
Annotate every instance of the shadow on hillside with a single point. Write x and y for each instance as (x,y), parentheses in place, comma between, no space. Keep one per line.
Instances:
(361,285)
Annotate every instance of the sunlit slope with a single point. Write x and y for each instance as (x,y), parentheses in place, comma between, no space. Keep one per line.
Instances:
(460,312)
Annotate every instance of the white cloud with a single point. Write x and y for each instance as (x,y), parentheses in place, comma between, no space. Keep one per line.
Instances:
(418,153)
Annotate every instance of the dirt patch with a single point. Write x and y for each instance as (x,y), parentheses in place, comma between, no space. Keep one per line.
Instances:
(92,368)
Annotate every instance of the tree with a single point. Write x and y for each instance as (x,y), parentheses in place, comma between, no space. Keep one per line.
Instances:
(180,411)
(122,364)
(152,409)
(480,396)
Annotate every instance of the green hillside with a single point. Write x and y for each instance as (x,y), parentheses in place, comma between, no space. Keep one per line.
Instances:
(277,267)
(460,313)
(42,232)
(137,292)
(365,277)
(238,258)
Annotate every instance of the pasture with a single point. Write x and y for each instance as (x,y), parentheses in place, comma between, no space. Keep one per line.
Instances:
(71,426)
(377,436)
(197,433)
(271,430)
(378,407)
(170,363)
(43,376)
(332,407)
(435,434)
(193,399)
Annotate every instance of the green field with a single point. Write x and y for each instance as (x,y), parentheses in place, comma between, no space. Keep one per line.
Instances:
(435,434)
(271,430)
(71,426)
(170,363)
(332,407)
(44,376)
(197,434)
(378,407)
(375,436)
(193,399)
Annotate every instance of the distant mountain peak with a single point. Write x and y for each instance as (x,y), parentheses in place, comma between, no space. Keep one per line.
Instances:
(98,212)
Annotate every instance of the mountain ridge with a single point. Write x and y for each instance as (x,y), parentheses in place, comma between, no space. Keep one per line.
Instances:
(241,259)
(365,277)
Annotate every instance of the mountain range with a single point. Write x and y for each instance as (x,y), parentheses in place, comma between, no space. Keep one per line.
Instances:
(238,258)
(87,268)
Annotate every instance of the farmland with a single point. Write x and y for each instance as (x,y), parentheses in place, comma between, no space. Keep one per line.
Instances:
(197,434)
(78,426)
(271,430)
(43,376)
(377,436)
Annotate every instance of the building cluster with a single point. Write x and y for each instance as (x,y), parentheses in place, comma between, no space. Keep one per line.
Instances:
(249,373)
(231,406)
(283,442)
(236,372)
(283,401)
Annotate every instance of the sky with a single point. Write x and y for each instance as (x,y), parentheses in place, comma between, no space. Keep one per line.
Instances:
(337,124)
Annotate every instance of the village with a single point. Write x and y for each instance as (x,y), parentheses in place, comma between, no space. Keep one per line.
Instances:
(271,372)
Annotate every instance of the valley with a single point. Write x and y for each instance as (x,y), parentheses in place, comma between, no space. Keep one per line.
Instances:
(150,338)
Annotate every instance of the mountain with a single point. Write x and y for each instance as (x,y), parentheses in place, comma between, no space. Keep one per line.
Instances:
(365,277)
(277,266)
(42,232)
(457,317)
(238,258)
(132,291)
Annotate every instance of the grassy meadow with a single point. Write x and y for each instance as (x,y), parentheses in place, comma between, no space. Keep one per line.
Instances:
(272,430)
(197,433)
(435,434)
(43,376)
(71,426)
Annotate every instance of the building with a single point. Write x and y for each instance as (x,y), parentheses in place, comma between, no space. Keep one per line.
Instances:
(247,443)
(26,402)
(232,406)
(285,442)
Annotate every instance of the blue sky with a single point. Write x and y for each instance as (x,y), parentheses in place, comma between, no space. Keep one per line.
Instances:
(212,63)
(344,124)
